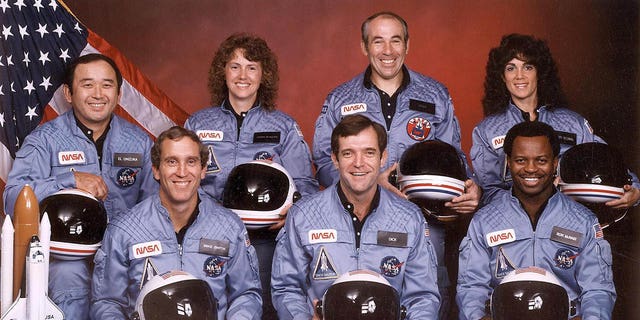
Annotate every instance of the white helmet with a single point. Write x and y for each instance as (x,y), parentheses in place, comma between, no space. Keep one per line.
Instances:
(361,294)
(430,174)
(257,191)
(78,222)
(176,295)
(530,293)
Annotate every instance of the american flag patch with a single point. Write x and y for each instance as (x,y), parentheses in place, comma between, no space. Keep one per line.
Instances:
(597,229)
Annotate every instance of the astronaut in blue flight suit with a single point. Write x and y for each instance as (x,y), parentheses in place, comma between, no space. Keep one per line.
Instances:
(522,84)
(354,224)
(244,125)
(533,224)
(178,229)
(88,148)
(411,106)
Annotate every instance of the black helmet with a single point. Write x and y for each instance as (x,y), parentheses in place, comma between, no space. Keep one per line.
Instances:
(78,221)
(176,295)
(530,293)
(593,173)
(430,174)
(257,191)
(361,294)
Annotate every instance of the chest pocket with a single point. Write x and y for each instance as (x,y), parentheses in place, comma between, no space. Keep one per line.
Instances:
(75,160)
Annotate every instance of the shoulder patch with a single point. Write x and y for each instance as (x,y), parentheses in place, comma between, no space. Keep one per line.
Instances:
(597,231)
(298,130)
(586,124)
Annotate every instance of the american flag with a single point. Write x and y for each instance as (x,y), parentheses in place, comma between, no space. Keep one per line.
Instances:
(597,230)
(37,40)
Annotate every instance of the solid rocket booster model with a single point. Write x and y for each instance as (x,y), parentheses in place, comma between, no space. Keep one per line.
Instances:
(25,216)
(31,301)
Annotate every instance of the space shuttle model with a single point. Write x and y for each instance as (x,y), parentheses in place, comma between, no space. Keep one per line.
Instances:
(25,256)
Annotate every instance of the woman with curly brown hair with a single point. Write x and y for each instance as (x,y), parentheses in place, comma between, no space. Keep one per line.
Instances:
(244,125)
(522,84)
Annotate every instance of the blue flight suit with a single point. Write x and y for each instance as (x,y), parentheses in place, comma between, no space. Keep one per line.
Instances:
(567,241)
(264,135)
(317,245)
(228,264)
(46,161)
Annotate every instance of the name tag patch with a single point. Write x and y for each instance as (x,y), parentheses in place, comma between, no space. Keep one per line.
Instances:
(567,138)
(214,247)
(266,137)
(566,236)
(422,106)
(392,239)
(127,160)
(71,157)
(323,236)
(353,108)
(210,135)
(500,237)
(146,249)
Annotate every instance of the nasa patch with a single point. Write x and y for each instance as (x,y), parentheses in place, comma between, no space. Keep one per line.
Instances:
(210,135)
(214,266)
(418,128)
(126,177)
(564,258)
(71,157)
(353,108)
(497,142)
(146,249)
(390,266)
(263,155)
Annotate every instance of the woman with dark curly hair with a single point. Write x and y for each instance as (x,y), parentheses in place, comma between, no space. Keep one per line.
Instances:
(244,125)
(522,84)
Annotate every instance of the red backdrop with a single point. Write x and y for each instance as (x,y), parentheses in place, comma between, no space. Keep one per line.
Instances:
(317,41)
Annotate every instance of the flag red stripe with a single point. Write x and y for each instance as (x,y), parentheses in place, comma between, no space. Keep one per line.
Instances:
(151,92)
